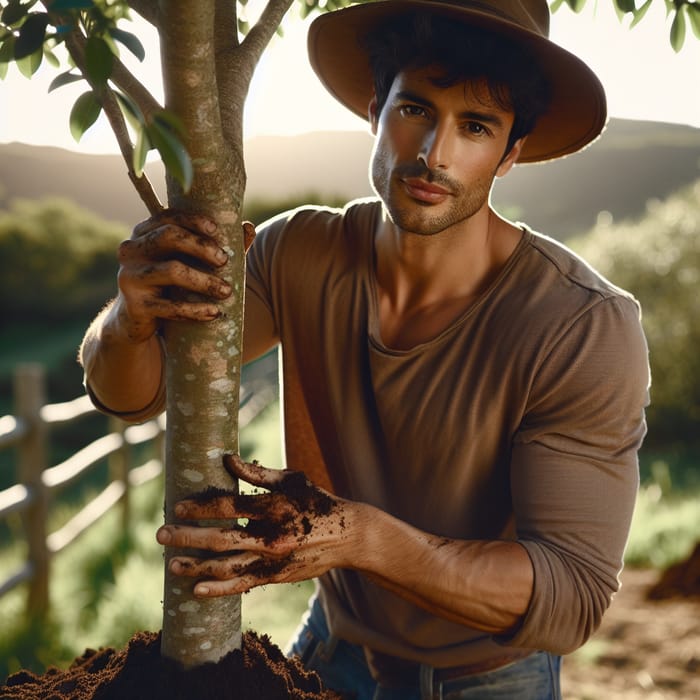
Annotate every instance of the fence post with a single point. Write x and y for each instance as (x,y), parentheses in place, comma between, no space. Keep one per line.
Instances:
(119,466)
(30,396)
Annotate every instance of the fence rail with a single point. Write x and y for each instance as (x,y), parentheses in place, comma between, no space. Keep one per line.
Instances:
(29,433)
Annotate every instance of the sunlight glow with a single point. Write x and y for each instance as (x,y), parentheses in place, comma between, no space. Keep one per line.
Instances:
(643,77)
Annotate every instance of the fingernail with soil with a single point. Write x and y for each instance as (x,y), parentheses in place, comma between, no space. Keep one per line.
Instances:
(163,536)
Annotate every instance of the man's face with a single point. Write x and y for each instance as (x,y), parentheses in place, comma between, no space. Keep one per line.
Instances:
(437,151)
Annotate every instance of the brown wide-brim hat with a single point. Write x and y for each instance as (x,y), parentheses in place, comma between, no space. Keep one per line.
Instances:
(577,112)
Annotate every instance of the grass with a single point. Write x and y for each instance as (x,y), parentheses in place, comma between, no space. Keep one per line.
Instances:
(110,585)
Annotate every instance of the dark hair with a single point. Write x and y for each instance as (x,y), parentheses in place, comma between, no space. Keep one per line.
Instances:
(464,53)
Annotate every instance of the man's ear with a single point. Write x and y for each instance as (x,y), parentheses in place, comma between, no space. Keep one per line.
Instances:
(372,114)
(509,159)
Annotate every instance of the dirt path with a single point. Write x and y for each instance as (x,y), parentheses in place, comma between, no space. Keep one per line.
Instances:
(644,649)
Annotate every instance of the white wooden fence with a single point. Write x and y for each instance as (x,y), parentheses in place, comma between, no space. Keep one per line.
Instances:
(29,432)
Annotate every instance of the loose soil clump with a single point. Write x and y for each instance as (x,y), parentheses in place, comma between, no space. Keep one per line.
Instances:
(257,671)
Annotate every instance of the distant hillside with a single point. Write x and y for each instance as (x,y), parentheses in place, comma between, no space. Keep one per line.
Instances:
(630,164)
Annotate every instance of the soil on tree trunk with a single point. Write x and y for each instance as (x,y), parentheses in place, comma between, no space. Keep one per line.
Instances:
(258,671)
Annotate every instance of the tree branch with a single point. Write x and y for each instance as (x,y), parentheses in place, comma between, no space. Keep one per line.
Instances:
(260,35)
(125,80)
(121,76)
(236,63)
(232,82)
(225,26)
(116,121)
(75,44)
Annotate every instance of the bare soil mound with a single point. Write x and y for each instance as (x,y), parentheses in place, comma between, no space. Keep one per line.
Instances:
(259,671)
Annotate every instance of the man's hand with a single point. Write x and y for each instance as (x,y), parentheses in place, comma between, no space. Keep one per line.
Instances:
(295,531)
(167,256)
(171,250)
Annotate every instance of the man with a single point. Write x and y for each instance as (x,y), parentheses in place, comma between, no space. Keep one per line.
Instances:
(469,393)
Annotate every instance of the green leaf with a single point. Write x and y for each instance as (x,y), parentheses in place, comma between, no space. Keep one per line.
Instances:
(130,110)
(84,114)
(141,149)
(626,5)
(30,64)
(64,79)
(694,16)
(678,30)
(14,12)
(99,60)
(65,5)
(31,35)
(175,157)
(131,41)
(639,14)
(3,70)
(51,57)
(7,50)
(172,121)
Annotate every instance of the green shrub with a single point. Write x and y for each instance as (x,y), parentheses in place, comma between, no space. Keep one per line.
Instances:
(658,260)
(57,261)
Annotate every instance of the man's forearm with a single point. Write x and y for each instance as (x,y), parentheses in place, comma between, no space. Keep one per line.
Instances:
(123,375)
(483,584)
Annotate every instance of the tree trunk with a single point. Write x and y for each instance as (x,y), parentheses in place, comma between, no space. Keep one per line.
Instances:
(203,360)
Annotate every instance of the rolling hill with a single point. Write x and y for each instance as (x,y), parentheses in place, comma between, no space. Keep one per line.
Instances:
(630,164)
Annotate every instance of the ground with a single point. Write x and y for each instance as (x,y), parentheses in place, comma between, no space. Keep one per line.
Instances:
(645,649)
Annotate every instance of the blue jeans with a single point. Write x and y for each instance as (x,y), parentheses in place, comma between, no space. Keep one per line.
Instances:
(342,668)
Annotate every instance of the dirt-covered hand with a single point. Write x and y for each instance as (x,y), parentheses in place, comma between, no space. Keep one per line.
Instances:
(171,251)
(295,531)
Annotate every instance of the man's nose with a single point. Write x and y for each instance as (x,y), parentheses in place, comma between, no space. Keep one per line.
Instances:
(436,149)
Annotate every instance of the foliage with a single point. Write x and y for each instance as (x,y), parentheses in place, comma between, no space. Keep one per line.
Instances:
(89,30)
(664,530)
(92,34)
(684,12)
(658,260)
(260,210)
(57,262)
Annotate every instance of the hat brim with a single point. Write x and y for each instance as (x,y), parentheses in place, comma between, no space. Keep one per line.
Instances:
(577,112)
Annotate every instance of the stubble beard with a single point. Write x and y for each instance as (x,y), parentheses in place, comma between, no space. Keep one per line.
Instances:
(425,219)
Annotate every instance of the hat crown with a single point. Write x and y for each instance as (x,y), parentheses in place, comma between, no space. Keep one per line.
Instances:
(532,15)
(577,109)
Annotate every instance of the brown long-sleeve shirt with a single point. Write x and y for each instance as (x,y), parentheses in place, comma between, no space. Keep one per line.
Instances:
(522,420)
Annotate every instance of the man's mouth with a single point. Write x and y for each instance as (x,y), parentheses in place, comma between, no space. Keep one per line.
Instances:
(425,191)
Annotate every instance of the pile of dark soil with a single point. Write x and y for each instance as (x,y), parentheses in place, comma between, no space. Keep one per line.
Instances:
(258,671)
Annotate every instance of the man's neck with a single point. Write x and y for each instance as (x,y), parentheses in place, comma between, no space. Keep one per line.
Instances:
(426,282)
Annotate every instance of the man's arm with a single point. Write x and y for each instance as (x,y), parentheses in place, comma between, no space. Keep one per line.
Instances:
(122,375)
(485,585)
(122,353)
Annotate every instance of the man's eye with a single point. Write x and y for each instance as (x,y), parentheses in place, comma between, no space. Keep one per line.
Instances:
(411,110)
(476,128)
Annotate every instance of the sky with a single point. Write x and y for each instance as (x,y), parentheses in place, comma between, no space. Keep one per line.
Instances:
(643,77)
